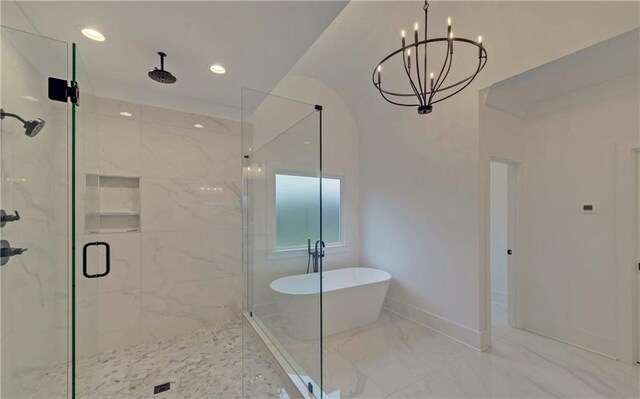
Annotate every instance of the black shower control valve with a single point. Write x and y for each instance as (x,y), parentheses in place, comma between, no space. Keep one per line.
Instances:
(12,251)
(6,252)
(5,218)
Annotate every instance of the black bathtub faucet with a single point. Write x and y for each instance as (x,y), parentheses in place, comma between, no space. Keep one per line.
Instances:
(315,255)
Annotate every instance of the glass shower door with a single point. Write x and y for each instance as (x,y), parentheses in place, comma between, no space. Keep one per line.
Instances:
(91,260)
(34,228)
(282,235)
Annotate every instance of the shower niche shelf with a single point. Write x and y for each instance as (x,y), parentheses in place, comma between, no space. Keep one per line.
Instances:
(112,204)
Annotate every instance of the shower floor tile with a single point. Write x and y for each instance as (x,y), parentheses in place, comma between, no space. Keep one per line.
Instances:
(202,364)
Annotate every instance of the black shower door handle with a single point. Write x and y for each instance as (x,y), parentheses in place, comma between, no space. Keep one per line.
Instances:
(84,259)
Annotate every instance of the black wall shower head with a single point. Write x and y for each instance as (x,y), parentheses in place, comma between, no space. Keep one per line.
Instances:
(31,128)
(160,75)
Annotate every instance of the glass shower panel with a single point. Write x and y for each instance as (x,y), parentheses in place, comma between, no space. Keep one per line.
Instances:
(282,229)
(34,224)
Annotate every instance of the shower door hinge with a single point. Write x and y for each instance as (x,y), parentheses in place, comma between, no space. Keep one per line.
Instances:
(60,91)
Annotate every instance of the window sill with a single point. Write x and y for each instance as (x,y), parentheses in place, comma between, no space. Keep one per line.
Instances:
(302,252)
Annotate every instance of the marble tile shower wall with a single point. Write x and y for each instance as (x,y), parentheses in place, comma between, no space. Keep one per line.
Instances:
(182,271)
(34,182)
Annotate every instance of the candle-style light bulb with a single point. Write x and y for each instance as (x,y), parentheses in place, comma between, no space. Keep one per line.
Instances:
(449,21)
(409,57)
(415,32)
(480,48)
(402,33)
(451,42)
(480,39)
(449,26)
(431,76)
(379,73)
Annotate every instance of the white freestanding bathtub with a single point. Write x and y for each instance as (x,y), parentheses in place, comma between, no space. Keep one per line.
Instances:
(351,298)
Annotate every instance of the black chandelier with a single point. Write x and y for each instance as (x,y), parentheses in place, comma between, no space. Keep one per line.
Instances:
(421,95)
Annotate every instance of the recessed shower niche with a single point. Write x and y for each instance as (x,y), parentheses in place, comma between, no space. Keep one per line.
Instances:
(112,204)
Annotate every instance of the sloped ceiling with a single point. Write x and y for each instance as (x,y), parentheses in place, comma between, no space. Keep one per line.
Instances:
(258,43)
(518,35)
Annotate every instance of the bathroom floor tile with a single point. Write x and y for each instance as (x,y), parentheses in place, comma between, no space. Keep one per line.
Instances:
(607,377)
(398,358)
(500,331)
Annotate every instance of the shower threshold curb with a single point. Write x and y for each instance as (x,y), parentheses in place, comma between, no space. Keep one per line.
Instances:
(287,365)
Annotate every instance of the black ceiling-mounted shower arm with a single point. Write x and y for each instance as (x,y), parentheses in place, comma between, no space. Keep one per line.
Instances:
(162,55)
(31,128)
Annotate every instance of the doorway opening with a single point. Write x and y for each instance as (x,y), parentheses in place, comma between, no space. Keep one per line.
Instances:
(502,247)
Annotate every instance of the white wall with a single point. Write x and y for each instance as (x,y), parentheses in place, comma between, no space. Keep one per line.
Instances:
(499,240)
(420,176)
(572,266)
(571,257)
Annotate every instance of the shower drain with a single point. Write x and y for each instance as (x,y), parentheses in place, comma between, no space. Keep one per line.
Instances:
(161,388)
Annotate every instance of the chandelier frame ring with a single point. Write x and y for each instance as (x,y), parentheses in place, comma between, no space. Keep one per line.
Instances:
(482,61)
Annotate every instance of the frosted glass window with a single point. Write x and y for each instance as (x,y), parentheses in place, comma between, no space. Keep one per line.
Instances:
(298,210)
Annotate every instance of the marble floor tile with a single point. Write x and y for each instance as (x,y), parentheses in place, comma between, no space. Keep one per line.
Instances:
(500,331)
(397,358)
(434,385)
(607,377)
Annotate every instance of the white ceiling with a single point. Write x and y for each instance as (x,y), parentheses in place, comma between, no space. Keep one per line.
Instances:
(257,42)
(608,60)
(575,78)
(518,35)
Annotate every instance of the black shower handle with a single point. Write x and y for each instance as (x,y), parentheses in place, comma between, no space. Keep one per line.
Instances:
(4,217)
(84,259)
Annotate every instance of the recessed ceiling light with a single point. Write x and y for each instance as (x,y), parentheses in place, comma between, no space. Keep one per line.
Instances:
(29,98)
(306,143)
(217,68)
(127,114)
(198,126)
(93,34)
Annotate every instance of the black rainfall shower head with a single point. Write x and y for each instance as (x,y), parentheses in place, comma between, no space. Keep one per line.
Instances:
(160,75)
(31,128)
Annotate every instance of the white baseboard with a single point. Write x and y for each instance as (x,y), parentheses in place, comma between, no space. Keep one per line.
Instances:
(448,328)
